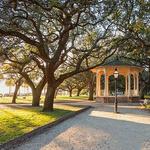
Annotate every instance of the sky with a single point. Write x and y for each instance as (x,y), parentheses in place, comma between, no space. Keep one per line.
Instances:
(5,90)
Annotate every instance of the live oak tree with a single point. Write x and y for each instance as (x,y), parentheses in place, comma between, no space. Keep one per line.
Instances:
(85,80)
(33,78)
(68,85)
(18,63)
(18,83)
(80,82)
(75,83)
(91,85)
(133,22)
(58,30)
(14,80)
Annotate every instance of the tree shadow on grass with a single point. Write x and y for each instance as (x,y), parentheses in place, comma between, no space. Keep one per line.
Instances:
(38,110)
(14,125)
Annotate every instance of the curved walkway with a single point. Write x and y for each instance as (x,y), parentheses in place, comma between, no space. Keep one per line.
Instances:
(97,129)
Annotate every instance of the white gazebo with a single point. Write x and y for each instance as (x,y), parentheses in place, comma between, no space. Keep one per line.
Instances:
(128,70)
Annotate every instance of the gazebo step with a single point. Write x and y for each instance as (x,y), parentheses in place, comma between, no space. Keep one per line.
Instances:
(121,99)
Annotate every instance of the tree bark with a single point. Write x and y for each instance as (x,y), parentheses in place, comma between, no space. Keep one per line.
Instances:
(15,94)
(36,96)
(17,87)
(49,98)
(36,90)
(91,87)
(78,92)
(91,92)
(70,93)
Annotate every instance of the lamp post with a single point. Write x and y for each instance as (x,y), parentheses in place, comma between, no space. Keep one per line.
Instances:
(116,74)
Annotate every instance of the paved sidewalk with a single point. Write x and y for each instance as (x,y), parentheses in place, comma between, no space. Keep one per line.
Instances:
(97,129)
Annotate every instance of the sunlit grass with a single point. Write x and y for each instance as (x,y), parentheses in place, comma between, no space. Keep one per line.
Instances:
(16,121)
(147,96)
(73,97)
(148,106)
(28,99)
(19,99)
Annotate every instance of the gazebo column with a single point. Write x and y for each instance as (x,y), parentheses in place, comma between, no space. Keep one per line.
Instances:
(106,86)
(126,86)
(100,93)
(97,84)
(129,85)
(134,89)
(138,84)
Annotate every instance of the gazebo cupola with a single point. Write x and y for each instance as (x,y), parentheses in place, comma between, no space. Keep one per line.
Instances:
(128,69)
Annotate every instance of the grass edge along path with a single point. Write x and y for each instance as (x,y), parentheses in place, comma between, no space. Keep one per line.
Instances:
(17,121)
(26,137)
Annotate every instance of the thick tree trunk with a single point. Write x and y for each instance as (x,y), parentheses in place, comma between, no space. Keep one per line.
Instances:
(49,98)
(91,87)
(17,87)
(91,92)
(70,93)
(15,94)
(36,95)
(78,92)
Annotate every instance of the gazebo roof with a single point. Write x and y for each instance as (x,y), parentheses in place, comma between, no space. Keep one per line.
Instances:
(121,62)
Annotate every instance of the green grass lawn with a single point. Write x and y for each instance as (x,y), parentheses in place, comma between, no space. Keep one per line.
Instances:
(18,120)
(28,99)
(147,96)
(73,97)
(147,107)
(19,99)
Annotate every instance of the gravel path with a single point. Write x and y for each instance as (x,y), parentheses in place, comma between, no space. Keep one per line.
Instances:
(97,129)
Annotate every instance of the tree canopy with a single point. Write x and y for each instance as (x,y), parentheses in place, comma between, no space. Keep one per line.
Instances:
(66,37)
